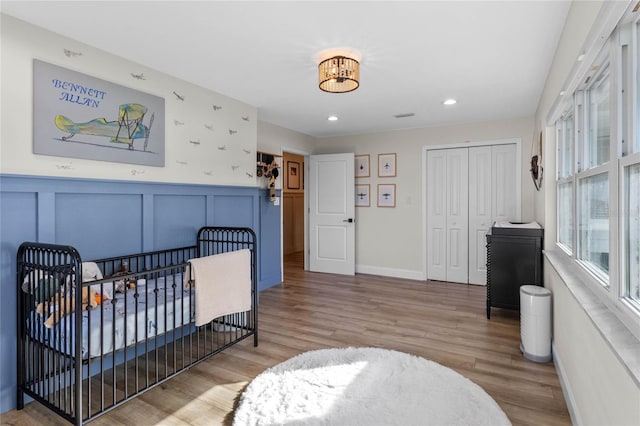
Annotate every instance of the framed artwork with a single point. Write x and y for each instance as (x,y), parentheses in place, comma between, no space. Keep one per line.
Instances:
(79,116)
(293,175)
(362,166)
(362,195)
(387,195)
(386,165)
(536,166)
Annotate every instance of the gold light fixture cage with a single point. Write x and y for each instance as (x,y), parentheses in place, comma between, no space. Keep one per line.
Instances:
(339,74)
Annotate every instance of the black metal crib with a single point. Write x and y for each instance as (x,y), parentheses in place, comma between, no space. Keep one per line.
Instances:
(88,361)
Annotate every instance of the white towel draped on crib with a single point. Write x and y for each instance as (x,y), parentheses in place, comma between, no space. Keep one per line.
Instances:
(223,284)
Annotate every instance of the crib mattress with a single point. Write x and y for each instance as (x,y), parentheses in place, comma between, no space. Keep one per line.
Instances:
(152,313)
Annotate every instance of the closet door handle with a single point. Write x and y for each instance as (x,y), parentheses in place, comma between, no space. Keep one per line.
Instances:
(350,220)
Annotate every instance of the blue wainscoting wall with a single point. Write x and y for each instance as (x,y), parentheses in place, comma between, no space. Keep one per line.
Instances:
(109,218)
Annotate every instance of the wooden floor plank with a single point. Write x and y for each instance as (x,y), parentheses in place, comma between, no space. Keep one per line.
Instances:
(443,322)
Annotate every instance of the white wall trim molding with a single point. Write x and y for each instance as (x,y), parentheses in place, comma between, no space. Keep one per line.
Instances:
(426,148)
(296,151)
(566,387)
(391,272)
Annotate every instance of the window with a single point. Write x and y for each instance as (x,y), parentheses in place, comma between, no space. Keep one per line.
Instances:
(566,168)
(597,149)
(632,228)
(636,138)
(598,173)
(594,224)
(565,131)
(593,180)
(565,215)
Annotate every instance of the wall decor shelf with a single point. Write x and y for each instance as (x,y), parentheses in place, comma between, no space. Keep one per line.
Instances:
(266,163)
(267,166)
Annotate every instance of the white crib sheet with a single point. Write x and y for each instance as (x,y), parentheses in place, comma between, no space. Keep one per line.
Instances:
(157,312)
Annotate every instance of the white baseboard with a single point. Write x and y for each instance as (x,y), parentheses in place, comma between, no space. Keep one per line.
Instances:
(566,388)
(390,272)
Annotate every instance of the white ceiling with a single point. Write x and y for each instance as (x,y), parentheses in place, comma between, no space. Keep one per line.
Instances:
(493,57)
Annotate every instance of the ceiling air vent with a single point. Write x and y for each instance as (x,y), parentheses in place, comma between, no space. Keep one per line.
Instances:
(406,114)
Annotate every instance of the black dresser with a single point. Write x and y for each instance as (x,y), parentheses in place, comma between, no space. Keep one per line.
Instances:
(514,259)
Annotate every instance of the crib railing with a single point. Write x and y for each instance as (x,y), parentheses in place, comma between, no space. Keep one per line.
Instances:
(93,360)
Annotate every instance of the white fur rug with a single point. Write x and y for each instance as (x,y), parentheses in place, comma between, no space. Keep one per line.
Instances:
(364,386)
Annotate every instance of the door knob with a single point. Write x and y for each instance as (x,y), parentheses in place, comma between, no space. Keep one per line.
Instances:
(350,220)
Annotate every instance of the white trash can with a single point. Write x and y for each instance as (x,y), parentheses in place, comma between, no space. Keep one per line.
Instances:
(535,323)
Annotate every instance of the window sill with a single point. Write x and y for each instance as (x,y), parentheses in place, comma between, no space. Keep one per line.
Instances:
(624,344)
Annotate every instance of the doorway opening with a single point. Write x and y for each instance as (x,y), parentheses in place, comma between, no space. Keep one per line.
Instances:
(293,211)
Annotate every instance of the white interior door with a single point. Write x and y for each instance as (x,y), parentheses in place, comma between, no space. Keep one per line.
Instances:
(480,217)
(436,216)
(457,210)
(331,213)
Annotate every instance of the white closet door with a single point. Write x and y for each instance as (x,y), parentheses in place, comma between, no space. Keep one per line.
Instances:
(468,189)
(436,215)
(480,219)
(504,183)
(457,194)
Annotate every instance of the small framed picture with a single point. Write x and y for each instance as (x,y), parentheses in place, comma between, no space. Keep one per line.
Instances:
(386,165)
(362,166)
(293,175)
(362,195)
(387,195)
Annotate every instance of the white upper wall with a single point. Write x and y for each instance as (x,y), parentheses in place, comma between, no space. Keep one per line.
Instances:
(274,139)
(221,158)
(391,240)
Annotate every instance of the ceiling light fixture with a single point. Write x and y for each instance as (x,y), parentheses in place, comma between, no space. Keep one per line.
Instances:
(450,102)
(332,118)
(339,74)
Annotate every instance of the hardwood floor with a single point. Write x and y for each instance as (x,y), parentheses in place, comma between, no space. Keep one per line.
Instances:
(443,322)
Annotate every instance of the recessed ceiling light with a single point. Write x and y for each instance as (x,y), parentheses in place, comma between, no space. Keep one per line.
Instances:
(332,118)
(450,102)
